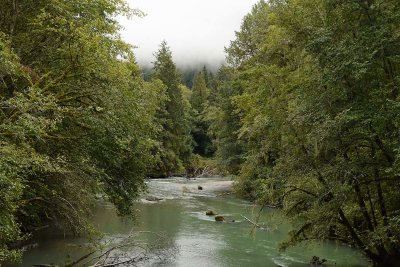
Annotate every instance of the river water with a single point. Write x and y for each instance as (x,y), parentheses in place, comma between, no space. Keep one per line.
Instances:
(200,241)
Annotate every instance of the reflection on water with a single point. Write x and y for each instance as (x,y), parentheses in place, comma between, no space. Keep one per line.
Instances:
(201,240)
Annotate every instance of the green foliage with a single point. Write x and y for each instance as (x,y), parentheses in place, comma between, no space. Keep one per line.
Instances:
(224,122)
(200,93)
(200,101)
(316,91)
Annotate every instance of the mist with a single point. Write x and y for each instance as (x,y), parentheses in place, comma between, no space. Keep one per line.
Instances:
(196,30)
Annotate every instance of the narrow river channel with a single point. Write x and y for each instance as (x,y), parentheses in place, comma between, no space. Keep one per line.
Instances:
(200,240)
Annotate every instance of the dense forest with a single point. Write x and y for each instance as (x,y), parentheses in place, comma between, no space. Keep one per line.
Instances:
(313,93)
(305,116)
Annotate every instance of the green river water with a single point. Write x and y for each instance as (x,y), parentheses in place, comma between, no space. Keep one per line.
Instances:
(200,240)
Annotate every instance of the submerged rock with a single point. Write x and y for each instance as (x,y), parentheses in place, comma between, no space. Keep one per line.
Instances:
(210,213)
(152,198)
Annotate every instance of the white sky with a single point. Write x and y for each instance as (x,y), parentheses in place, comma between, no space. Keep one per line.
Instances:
(196,30)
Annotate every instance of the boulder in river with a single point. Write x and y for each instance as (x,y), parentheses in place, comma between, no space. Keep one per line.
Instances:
(210,213)
(199,187)
(219,218)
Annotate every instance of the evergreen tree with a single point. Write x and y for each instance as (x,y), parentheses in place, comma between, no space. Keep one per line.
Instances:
(175,140)
(207,77)
(199,101)
(200,93)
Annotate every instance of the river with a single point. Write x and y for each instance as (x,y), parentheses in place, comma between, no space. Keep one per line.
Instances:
(200,241)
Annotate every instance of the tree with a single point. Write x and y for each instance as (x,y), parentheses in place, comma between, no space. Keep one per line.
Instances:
(199,101)
(175,140)
(207,76)
(200,93)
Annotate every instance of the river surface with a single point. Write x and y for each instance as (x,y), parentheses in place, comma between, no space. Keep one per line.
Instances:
(200,241)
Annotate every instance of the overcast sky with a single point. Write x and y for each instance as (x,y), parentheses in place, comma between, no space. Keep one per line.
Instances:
(196,30)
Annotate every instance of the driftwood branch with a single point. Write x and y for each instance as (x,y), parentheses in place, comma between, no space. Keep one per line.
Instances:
(204,172)
(257,225)
(254,223)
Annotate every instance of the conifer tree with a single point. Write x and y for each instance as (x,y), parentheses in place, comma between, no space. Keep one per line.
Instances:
(199,101)
(200,92)
(175,140)
(207,76)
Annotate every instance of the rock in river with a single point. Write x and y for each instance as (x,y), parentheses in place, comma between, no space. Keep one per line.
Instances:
(219,218)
